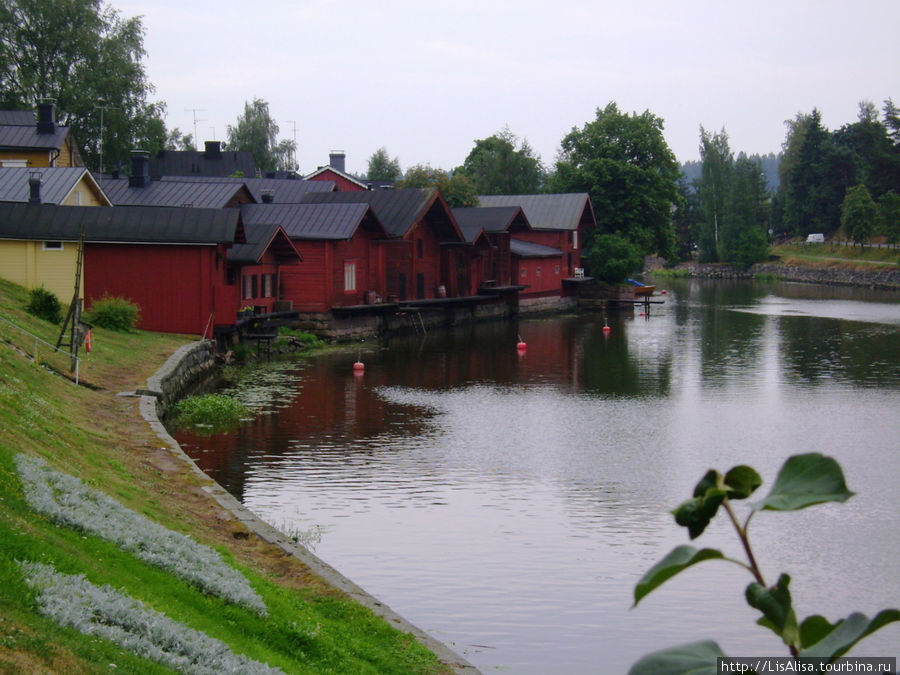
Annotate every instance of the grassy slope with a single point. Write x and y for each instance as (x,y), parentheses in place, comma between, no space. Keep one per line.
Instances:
(829,255)
(99,437)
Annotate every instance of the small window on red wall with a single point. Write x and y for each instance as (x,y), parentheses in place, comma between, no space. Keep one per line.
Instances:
(349,276)
(267,285)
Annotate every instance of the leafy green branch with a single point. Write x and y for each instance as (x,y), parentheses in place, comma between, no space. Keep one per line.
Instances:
(804,480)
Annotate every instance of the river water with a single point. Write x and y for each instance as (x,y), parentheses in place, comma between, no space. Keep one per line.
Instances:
(508,502)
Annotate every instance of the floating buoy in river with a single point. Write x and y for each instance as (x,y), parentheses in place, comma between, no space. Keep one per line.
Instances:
(662,292)
(521,344)
(359,366)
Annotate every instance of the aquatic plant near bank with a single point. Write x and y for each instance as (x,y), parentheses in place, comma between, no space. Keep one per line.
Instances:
(74,602)
(68,501)
(216,412)
(804,480)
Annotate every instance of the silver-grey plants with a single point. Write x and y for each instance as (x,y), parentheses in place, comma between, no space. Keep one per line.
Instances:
(68,501)
(74,602)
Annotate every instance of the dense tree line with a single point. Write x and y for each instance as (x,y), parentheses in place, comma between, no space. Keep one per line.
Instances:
(88,59)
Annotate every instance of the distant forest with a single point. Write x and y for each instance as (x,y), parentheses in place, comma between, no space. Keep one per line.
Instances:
(768,163)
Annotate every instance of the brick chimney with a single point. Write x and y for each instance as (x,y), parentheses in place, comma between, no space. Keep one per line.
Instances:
(212,149)
(34,187)
(336,160)
(46,117)
(140,169)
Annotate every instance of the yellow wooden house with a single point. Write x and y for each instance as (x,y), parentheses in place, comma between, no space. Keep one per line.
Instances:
(30,141)
(52,263)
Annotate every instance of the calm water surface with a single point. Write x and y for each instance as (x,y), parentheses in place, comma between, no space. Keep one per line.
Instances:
(508,503)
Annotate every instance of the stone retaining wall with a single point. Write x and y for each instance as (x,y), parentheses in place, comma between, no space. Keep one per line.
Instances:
(881,278)
(190,366)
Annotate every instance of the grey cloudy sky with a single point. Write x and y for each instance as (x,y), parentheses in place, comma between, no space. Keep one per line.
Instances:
(426,79)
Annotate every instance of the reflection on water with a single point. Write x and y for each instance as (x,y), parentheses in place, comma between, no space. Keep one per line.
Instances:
(508,503)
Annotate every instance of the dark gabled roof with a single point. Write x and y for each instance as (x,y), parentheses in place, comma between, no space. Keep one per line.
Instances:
(48,222)
(201,163)
(199,194)
(259,239)
(472,220)
(18,130)
(283,190)
(326,169)
(57,183)
(17,118)
(313,221)
(398,210)
(525,249)
(548,212)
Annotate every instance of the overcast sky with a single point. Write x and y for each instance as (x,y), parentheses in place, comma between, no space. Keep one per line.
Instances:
(426,78)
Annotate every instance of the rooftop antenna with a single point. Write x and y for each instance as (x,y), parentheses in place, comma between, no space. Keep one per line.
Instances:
(100,144)
(294,151)
(195,111)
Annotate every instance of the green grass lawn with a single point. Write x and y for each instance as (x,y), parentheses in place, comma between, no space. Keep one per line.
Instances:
(97,437)
(831,255)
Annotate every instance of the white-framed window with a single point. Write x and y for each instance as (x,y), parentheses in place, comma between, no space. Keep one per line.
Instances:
(14,163)
(537,272)
(249,286)
(267,285)
(556,270)
(524,273)
(77,197)
(575,239)
(349,276)
(52,246)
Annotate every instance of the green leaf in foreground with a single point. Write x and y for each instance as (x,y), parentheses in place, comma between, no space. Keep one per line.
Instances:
(695,514)
(775,604)
(680,558)
(741,481)
(697,658)
(846,633)
(805,480)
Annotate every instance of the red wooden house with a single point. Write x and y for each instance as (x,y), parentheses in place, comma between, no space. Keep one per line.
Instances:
(342,246)
(258,267)
(172,262)
(489,231)
(334,172)
(418,222)
(551,251)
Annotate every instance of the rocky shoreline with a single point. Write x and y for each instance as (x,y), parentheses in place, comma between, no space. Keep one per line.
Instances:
(870,278)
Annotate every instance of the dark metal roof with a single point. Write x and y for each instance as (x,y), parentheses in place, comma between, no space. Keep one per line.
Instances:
(548,212)
(202,194)
(18,130)
(473,220)
(48,222)
(398,210)
(525,249)
(259,239)
(314,221)
(283,190)
(18,118)
(56,183)
(199,163)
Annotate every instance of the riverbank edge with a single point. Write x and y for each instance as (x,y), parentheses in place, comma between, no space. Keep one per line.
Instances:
(887,279)
(182,370)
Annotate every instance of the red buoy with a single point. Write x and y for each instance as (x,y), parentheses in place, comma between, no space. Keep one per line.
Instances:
(521,346)
(358,366)
(662,292)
